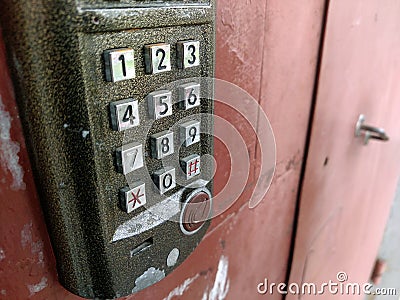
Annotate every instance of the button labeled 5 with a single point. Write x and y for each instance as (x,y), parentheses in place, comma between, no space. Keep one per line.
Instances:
(159,104)
(124,114)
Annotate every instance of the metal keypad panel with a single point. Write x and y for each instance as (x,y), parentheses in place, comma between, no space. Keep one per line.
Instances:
(145,119)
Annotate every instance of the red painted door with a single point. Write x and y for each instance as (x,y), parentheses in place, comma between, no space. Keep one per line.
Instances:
(348,186)
(269,48)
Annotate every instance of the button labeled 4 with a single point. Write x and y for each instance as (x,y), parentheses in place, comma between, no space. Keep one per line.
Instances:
(124,114)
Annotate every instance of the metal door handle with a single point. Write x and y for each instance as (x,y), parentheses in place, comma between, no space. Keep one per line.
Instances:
(370,132)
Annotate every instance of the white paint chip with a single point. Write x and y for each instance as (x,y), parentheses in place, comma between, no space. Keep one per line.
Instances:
(173,257)
(9,159)
(2,254)
(221,284)
(36,288)
(148,278)
(180,290)
(150,218)
(85,133)
(26,235)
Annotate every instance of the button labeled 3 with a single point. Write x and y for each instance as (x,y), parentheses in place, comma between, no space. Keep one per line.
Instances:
(124,114)
(119,64)
(188,54)
(129,158)
(157,58)
(133,198)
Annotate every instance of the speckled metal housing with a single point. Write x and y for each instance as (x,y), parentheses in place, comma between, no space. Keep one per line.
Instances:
(55,51)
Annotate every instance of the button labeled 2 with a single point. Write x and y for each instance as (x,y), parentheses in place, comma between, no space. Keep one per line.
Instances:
(119,64)
(124,114)
(157,58)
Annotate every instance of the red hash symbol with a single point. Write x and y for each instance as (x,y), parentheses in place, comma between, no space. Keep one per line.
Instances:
(193,167)
(136,198)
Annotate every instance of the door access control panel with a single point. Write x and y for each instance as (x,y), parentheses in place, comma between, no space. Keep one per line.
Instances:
(118,120)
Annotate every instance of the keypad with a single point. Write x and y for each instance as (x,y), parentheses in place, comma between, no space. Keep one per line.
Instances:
(119,65)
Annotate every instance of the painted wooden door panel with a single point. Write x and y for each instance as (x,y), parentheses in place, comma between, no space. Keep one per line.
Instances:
(348,187)
(269,48)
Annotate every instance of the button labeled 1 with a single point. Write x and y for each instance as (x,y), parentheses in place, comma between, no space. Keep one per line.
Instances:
(159,104)
(124,114)
(189,133)
(157,58)
(133,197)
(129,158)
(188,54)
(189,95)
(165,179)
(119,64)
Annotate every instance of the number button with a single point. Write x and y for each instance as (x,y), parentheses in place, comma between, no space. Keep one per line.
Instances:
(189,95)
(132,197)
(159,104)
(188,54)
(124,114)
(162,144)
(165,179)
(157,58)
(119,64)
(191,165)
(129,158)
(189,133)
